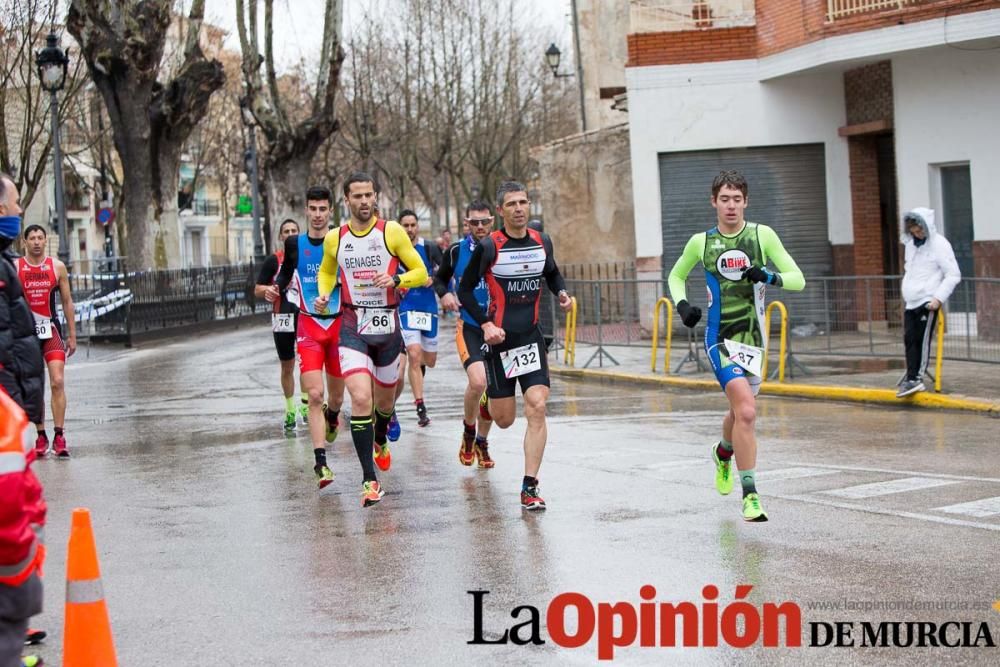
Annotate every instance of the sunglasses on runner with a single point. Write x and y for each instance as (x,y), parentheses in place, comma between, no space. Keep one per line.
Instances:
(480,222)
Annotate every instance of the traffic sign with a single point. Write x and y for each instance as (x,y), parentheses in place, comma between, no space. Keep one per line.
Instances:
(105,215)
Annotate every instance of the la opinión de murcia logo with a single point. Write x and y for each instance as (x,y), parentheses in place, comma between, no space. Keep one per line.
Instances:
(708,623)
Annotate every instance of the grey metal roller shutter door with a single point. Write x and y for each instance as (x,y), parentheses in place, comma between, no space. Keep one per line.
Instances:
(787,193)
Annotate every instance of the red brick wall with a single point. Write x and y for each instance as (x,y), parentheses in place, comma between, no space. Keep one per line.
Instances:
(691,46)
(868,93)
(868,261)
(780,25)
(986,260)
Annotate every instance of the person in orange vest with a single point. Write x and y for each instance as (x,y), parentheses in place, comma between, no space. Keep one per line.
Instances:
(22,512)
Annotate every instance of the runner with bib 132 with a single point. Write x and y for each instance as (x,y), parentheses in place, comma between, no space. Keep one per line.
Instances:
(734,255)
(514,261)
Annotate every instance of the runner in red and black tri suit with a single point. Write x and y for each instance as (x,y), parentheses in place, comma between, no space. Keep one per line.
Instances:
(513,261)
(41,277)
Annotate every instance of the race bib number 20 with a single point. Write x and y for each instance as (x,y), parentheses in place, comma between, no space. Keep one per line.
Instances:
(376,321)
(419,321)
(521,360)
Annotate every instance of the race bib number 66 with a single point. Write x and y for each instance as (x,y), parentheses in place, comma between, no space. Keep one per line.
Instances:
(376,321)
(520,360)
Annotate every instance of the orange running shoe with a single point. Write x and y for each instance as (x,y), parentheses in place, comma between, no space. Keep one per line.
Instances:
(483,454)
(383,458)
(371,493)
(467,450)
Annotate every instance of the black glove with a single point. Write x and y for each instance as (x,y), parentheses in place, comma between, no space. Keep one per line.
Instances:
(761,275)
(689,314)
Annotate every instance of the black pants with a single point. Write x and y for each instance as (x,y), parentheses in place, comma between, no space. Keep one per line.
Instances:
(17,605)
(918,326)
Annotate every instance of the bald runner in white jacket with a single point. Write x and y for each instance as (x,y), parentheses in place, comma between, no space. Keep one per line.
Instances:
(930,274)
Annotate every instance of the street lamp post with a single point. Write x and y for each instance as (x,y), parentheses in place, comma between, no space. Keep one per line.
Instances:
(552,57)
(250,159)
(52,62)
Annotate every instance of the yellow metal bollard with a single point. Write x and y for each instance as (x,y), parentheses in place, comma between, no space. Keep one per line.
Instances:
(569,348)
(783,346)
(656,333)
(940,351)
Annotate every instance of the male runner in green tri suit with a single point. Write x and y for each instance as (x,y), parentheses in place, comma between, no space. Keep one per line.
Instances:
(734,255)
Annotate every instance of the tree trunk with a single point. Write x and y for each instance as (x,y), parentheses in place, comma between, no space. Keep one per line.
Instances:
(287,185)
(150,120)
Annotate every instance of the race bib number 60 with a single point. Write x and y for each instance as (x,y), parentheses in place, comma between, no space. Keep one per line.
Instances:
(746,357)
(282,322)
(376,321)
(521,360)
(43,329)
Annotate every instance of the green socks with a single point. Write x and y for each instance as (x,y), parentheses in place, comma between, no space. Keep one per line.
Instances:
(748,480)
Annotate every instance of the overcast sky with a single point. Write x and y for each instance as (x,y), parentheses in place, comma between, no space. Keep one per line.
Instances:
(298,24)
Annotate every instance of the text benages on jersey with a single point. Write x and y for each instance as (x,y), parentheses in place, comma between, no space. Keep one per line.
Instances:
(572,620)
(358,261)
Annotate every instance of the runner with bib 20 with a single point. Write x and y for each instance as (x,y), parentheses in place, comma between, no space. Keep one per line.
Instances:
(364,255)
(734,255)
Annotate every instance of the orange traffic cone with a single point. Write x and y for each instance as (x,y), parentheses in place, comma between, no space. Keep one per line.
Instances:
(87,640)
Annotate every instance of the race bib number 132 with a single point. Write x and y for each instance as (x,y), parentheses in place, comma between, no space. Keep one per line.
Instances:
(521,360)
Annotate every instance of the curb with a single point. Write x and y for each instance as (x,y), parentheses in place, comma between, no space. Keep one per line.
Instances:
(824,392)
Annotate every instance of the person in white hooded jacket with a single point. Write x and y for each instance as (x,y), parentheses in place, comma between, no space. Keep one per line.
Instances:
(930,274)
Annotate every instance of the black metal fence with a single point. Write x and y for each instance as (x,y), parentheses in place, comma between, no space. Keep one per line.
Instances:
(119,304)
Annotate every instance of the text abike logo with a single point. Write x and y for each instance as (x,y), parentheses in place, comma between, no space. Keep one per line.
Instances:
(651,624)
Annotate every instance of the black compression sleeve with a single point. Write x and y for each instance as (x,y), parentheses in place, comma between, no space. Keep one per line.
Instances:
(445,271)
(288,265)
(477,267)
(267,270)
(553,277)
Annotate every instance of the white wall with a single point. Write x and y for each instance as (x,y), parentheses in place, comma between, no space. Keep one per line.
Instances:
(722,105)
(947,102)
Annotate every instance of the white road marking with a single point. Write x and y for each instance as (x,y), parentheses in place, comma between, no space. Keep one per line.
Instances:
(813,500)
(890,471)
(793,473)
(886,488)
(977,508)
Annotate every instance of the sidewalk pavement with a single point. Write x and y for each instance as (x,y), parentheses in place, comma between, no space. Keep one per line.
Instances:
(965,385)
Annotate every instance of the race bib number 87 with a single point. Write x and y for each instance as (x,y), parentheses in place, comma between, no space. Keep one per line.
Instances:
(376,321)
(747,357)
(521,360)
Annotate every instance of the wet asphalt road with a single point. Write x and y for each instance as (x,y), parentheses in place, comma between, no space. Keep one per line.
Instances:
(217,549)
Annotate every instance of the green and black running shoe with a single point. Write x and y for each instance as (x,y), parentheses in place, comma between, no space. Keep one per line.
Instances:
(752,509)
(723,472)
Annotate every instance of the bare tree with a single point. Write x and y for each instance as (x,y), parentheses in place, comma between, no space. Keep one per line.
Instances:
(123,44)
(291,143)
(25,140)
(443,100)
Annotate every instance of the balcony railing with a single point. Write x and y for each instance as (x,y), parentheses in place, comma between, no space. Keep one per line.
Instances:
(838,9)
(675,15)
